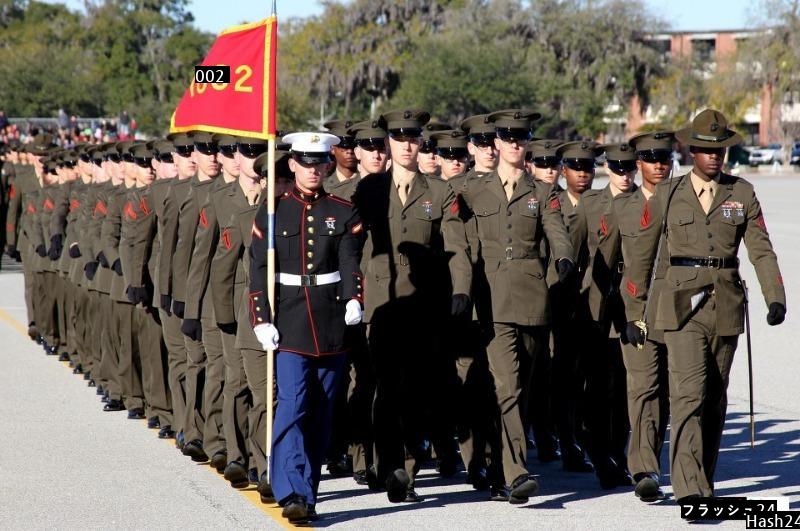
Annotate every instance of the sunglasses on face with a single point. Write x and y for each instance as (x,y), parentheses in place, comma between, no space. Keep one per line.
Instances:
(663,157)
(143,162)
(166,157)
(622,167)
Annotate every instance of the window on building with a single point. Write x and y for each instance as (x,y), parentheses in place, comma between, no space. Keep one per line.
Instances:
(704,49)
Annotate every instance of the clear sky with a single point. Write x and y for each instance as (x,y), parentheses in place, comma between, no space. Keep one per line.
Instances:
(215,15)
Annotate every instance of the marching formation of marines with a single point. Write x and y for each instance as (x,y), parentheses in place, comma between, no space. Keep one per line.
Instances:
(439,296)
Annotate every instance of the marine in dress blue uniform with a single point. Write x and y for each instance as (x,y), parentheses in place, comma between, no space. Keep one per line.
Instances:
(318,239)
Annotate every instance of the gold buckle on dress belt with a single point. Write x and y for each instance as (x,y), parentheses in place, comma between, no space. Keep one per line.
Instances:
(403,260)
(509,253)
(714,262)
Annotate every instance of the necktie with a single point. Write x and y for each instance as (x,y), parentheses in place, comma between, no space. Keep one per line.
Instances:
(510,185)
(706,197)
(402,189)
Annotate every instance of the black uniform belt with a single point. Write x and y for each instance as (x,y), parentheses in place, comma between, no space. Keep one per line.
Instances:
(711,262)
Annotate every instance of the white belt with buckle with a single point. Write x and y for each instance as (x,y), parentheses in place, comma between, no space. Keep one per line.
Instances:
(308,280)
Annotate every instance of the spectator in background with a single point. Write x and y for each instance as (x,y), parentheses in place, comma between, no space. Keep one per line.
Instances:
(3,121)
(124,125)
(63,120)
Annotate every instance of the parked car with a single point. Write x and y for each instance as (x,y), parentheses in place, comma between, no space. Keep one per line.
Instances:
(766,155)
(795,154)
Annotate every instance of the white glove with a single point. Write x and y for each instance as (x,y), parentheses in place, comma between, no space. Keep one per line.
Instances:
(267,335)
(352,314)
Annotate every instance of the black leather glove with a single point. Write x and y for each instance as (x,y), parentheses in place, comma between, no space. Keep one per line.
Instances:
(777,313)
(56,246)
(136,295)
(191,329)
(634,334)
(117,267)
(74,251)
(101,257)
(40,250)
(227,328)
(177,308)
(90,270)
(565,269)
(459,305)
(166,304)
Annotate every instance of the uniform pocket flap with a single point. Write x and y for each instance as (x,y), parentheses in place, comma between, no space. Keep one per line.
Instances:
(286,230)
(679,275)
(684,218)
(486,209)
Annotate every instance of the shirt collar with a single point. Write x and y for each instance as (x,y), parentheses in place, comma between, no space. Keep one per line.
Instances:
(573,199)
(698,184)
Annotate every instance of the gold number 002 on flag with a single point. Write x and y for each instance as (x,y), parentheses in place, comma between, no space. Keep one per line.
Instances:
(243,73)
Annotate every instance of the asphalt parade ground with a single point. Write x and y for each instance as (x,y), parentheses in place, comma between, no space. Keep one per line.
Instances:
(66,464)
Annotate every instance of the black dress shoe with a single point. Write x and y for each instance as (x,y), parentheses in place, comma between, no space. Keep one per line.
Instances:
(611,475)
(295,509)
(153,423)
(136,413)
(372,480)
(104,398)
(312,514)
(412,496)
(78,369)
(360,477)
(91,383)
(265,489)
(166,432)
(99,391)
(179,441)
(478,479)
(548,453)
(523,488)
(339,468)
(33,333)
(87,376)
(397,486)
(63,357)
(39,339)
(194,449)
(236,474)
(573,460)
(114,405)
(219,460)
(252,476)
(447,467)
(647,488)
(498,493)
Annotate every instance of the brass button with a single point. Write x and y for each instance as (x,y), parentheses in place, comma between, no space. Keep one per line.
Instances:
(311,230)
(260,319)
(310,254)
(308,207)
(310,266)
(284,233)
(311,242)
(310,218)
(258,309)
(255,298)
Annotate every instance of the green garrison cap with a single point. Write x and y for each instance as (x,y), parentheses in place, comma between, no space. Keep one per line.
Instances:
(514,118)
(448,140)
(709,129)
(340,128)
(162,147)
(623,152)
(282,153)
(203,137)
(405,122)
(654,141)
(546,148)
(368,133)
(580,150)
(181,139)
(225,140)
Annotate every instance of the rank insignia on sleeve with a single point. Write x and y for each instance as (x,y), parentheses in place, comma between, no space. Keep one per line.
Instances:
(357,228)
(256,232)
(603,226)
(555,204)
(631,287)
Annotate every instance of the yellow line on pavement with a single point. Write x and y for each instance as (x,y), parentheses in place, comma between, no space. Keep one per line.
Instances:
(250,494)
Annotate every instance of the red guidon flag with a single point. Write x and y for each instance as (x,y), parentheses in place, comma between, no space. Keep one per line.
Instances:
(246,105)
